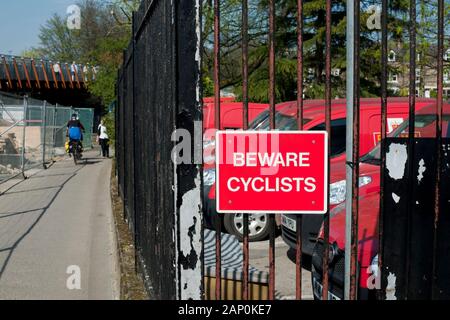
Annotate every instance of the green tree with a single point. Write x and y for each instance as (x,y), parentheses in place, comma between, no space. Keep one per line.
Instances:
(108,55)
(58,42)
(33,53)
(286,47)
(104,34)
(231,38)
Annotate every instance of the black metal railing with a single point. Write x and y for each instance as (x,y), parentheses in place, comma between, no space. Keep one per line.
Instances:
(157,90)
(148,86)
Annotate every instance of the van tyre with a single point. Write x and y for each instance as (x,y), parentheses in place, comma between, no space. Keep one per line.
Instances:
(259,226)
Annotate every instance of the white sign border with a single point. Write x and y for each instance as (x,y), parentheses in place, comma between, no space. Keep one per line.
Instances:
(326,182)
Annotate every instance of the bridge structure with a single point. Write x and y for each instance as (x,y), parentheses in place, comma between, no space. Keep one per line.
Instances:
(55,82)
(18,73)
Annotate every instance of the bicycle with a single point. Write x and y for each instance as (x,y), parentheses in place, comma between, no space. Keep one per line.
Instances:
(75,150)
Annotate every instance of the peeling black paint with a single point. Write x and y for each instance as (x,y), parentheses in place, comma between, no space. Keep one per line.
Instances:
(190,261)
(409,229)
(157,92)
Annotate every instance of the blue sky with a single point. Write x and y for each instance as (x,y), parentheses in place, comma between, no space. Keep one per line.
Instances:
(20,21)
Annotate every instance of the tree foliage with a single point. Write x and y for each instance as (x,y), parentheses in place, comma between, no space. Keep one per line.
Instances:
(105,32)
(286,46)
(106,29)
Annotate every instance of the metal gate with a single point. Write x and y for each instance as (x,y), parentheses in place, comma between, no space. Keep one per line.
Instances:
(158,91)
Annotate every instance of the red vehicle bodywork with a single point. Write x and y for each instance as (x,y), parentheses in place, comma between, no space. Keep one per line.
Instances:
(314,119)
(370,120)
(369,200)
(231,113)
(209,100)
(231,118)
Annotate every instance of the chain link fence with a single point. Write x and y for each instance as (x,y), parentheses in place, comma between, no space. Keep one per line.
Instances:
(33,133)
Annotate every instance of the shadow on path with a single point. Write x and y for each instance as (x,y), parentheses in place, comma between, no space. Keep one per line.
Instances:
(24,205)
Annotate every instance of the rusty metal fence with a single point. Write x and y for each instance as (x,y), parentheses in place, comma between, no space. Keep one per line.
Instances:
(403,228)
(414,218)
(272,114)
(411,238)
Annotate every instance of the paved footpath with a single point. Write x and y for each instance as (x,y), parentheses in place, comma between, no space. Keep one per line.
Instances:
(57,231)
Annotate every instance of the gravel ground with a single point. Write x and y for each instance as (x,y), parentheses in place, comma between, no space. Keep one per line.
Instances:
(284,268)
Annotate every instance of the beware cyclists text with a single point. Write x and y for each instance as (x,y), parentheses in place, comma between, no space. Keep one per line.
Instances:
(272,172)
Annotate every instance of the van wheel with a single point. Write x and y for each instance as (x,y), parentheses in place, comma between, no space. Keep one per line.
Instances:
(259,227)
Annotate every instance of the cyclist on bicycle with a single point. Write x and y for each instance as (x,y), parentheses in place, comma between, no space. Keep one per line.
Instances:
(75,131)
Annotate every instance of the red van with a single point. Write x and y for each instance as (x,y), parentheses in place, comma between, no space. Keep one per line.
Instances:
(231,118)
(231,113)
(314,119)
(368,211)
(209,100)
(370,123)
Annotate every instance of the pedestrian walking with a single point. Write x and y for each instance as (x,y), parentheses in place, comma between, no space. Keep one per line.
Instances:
(103,138)
(57,68)
(86,72)
(73,70)
(94,73)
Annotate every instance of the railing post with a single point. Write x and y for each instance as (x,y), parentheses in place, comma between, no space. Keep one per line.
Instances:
(217,222)
(54,130)
(24,123)
(188,177)
(44,134)
(349,140)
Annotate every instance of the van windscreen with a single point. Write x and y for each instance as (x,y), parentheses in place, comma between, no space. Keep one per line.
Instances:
(283,122)
(425,127)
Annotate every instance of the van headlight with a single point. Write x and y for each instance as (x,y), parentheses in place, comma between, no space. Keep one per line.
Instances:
(209,143)
(374,266)
(209,177)
(338,190)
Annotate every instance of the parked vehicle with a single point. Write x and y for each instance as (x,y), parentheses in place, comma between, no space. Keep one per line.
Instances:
(314,119)
(368,214)
(231,113)
(211,100)
(231,119)
(370,134)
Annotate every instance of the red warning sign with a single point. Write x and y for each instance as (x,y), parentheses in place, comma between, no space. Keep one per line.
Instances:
(272,172)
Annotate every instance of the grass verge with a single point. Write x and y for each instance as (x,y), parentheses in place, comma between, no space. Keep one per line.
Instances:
(131,285)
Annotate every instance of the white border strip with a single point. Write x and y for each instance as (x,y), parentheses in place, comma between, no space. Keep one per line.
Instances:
(326,182)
